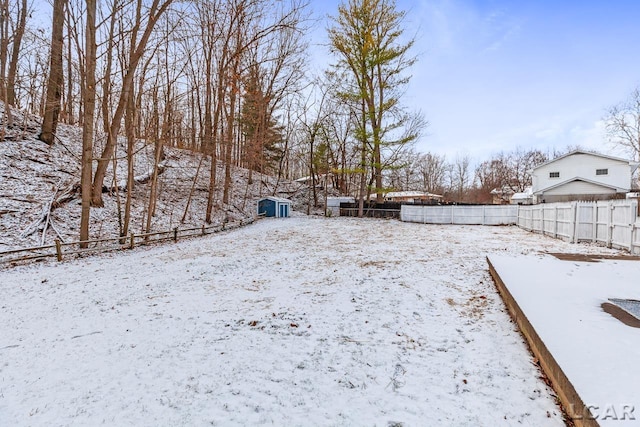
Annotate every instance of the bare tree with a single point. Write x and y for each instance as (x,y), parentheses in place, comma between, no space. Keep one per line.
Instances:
(138,48)
(432,169)
(622,124)
(405,176)
(507,173)
(460,176)
(492,175)
(313,113)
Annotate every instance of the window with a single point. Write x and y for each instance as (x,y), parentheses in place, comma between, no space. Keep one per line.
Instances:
(554,174)
(602,171)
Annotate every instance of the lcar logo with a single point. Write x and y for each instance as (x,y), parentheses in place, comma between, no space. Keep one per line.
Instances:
(609,411)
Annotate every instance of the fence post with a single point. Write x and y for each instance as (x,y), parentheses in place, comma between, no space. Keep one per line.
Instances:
(58,250)
(574,238)
(555,222)
(632,225)
(132,241)
(175,234)
(594,217)
(610,226)
(484,214)
(634,230)
(203,230)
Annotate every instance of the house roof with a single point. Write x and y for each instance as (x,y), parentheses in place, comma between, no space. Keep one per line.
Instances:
(502,191)
(619,159)
(526,194)
(575,178)
(521,196)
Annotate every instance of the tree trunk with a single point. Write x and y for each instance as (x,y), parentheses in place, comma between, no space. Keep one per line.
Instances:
(228,159)
(15,53)
(129,124)
(88,120)
(70,99)
(5,37)
(363,161)
(54,84)
(208,144)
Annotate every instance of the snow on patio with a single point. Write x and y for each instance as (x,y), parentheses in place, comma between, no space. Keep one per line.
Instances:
(303,321)
(598,353)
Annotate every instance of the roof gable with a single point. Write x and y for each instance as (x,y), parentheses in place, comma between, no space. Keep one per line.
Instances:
(560,184)
(589,153)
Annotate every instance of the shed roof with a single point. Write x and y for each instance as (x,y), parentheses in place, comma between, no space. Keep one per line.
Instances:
(277,199)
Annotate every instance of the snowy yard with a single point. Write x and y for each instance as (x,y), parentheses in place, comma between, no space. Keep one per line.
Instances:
(303,321)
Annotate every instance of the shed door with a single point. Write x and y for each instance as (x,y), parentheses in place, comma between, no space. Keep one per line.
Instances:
(283,211)
(268,207)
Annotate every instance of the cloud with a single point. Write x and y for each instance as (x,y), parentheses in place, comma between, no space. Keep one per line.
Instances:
(460,26)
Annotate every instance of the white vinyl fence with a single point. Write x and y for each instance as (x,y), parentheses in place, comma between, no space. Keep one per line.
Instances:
(613,223)
(457,214)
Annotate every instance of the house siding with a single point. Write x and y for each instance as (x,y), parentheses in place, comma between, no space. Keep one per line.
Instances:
(579,187)
(583,165)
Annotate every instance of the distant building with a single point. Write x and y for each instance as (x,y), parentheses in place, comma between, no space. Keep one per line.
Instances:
(333,204)
(412,197)
(501,196)
(581,175)
(522,198)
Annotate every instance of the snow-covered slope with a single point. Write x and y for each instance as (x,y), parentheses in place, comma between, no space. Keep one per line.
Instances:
(32,175)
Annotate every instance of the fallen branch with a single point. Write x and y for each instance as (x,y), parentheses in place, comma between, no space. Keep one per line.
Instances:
(193,186)
(69,193)
(53,227)
(43,218)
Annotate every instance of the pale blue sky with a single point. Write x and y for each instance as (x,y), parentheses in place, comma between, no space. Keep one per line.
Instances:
(496,74)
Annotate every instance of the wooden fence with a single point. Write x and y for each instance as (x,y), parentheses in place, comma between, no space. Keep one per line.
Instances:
(371,210)
(461,214)
(59,249)
(613,223)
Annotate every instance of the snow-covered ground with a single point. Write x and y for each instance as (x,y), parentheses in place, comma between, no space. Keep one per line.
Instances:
(301,321)
(598,353)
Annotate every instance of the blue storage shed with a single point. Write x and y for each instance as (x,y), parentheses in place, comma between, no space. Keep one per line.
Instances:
(274,206)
